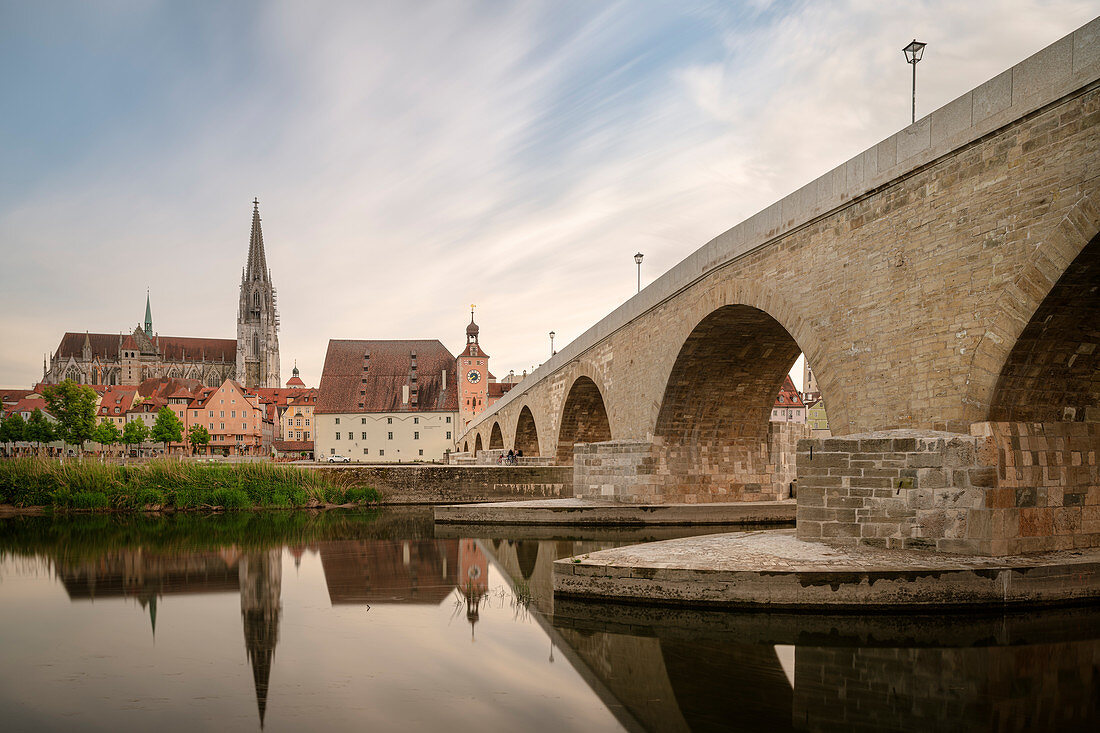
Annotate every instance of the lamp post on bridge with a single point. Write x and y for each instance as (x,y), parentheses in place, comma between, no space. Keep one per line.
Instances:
(913,53)
(638,261)
(552,352)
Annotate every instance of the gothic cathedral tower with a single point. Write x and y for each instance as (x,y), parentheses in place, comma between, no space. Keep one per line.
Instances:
(257,319)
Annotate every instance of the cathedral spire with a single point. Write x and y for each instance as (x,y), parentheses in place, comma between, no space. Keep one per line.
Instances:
(148,316)
(257,260)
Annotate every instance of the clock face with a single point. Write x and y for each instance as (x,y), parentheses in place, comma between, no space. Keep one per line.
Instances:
(474,376)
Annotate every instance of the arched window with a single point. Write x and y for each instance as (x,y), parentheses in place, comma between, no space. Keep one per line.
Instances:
(255,344)
(213,379)
(256,299)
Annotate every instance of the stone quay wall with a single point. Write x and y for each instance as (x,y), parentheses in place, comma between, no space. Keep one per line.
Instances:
(1006,488)
(436,484)
(648,472)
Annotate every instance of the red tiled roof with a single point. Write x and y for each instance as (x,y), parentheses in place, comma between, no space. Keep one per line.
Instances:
(116,396)
(14,395)
(163,387)
(295,382)
(497,389)
(788,396)
(27,405)
(352,383)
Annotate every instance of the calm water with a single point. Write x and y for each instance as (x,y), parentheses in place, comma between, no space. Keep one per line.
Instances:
(382,621)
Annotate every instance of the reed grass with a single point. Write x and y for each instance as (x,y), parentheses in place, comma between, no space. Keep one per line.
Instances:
(168,485)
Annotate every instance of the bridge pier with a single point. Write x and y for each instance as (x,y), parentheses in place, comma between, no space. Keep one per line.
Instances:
(663,472)
(1005,488)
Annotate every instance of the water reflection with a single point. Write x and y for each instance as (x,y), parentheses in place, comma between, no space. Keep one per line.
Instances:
(383,620)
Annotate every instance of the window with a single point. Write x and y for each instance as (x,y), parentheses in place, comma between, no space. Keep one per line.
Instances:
(467,362)
(233,413)
(364,436)
(307,435)
(416,421)
(222,426)
(196,413)
(416,435)
(448,435)
(338,436)
(421,452)
(364,451)
(307,422)
(211,426)
(244,426)
(448,419)
(221,413)
(298,423)
(332,451)
(362,421)
(389,436)
(211,414)
(389,421)
(337,421)
(381,452)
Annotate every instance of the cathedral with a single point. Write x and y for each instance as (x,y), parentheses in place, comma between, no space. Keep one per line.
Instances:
(252,359)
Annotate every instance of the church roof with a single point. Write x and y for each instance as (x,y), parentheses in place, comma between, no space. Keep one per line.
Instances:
(104,345)
(351,382)
(174,348)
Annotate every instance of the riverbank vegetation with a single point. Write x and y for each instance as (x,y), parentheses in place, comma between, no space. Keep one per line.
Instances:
(170,485)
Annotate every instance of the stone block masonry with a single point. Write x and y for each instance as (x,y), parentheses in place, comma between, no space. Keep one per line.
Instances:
(435,484)
(653,472)
(1006,488)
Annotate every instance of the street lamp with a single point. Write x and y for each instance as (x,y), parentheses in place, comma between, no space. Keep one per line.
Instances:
(552,352)
(913,53)
(638,261)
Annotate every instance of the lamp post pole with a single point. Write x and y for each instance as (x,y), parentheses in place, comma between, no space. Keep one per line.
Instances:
(552,352)
(638,261)
(913,53)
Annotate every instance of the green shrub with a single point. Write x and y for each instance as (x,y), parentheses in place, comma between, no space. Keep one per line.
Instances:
(231,499)
(89,500)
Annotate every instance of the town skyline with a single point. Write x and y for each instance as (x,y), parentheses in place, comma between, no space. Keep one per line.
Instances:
(574,144)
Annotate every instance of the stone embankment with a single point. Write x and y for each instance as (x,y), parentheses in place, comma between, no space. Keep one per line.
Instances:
(451,484)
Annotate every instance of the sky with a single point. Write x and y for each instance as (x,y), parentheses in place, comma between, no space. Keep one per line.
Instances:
(412,158)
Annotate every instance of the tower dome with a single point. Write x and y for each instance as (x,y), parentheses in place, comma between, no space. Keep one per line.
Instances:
(295,380)
(472,330)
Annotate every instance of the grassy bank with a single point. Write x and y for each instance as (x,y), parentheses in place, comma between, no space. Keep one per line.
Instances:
(167,485)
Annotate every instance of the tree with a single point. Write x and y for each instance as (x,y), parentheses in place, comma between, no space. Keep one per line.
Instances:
(168,428)
(74,407)
(135,432)
(13,429)
(39,429)
(199,437)
(107,433)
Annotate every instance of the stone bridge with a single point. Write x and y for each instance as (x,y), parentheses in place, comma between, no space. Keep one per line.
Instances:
(944,278)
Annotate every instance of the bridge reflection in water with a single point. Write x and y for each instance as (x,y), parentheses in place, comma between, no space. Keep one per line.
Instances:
(662,669)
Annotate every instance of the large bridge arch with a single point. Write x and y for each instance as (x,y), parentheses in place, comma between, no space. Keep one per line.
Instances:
(496,437)
(478,446)
(1052,373)
(1040,321)
(526,433)
(583,418)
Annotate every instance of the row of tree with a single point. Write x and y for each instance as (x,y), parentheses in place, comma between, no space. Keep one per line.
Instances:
(73,407)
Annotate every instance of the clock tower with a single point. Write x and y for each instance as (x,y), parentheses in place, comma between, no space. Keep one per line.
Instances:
(473,377)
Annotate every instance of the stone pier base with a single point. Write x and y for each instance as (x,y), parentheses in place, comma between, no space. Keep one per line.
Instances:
(1005,489)
(654,472)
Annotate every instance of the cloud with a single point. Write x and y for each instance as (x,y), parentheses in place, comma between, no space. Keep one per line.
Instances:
(413,158)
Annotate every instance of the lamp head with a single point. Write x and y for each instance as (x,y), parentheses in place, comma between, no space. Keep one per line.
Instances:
(914,51)
(638,258)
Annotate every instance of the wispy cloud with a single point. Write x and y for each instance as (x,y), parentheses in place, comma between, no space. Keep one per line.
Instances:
(412,158)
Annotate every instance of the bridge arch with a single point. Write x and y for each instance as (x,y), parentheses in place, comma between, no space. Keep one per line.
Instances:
(496,437)
(713,427)
(1052,373)
(583,419)
(477,443)
(527,434)
(466,446)
(1024,366)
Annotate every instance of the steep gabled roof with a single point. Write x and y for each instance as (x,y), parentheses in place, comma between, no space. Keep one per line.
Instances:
(369,376)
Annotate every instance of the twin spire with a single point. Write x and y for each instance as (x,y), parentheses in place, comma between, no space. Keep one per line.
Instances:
(257,260)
